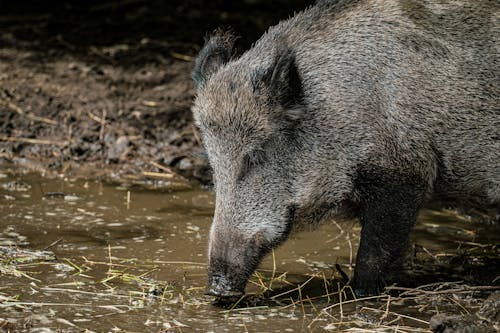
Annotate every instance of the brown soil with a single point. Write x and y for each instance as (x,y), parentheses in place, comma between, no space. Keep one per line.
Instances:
(104,88)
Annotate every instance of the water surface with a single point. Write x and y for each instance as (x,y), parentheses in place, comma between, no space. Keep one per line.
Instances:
(133,260)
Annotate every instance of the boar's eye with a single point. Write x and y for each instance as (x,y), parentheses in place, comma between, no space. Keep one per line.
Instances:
(250,161)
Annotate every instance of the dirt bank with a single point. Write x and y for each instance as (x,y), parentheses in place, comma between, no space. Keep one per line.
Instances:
(103,89)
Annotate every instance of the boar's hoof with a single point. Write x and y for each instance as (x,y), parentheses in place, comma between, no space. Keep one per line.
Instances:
(367,287)
(220,288)
(366,292)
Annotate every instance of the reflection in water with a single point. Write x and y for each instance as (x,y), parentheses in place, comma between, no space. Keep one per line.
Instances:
(140,266)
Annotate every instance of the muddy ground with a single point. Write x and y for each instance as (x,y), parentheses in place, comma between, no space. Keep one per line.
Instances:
(87,256)
(103,89)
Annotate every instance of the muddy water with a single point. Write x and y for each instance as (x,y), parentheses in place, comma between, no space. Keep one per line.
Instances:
(138,265)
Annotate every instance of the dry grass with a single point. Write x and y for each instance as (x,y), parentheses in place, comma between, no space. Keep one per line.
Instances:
(324,303)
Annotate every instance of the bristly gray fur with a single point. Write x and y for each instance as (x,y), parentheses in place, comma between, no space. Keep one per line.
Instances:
(217,51)
(361,90)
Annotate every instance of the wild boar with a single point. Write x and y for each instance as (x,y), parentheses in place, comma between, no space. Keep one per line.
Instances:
(368,107)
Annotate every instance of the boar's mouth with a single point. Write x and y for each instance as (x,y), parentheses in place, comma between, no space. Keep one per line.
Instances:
(227,281)
(220,287)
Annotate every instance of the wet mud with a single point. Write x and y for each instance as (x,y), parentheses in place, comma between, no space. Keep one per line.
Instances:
(88,256)
(103,225)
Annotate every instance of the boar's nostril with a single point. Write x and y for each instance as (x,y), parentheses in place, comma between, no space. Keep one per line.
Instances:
(220,287)
(223,293)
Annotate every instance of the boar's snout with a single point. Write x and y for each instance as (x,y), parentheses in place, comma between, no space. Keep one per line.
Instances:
(220,286)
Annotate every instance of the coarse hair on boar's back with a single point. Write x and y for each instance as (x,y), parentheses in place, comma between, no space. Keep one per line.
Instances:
(368,107)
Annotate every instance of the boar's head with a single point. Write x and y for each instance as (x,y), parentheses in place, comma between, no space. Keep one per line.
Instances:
(247,113)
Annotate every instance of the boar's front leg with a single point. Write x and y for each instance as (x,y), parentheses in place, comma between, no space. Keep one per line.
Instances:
(389,207)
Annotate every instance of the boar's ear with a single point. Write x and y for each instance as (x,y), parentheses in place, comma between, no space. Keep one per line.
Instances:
(217,51)
(283,79)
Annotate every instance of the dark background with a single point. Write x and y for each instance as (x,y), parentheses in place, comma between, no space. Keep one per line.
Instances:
(182,24)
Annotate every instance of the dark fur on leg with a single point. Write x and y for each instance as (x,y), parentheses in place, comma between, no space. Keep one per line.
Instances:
(389,207)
